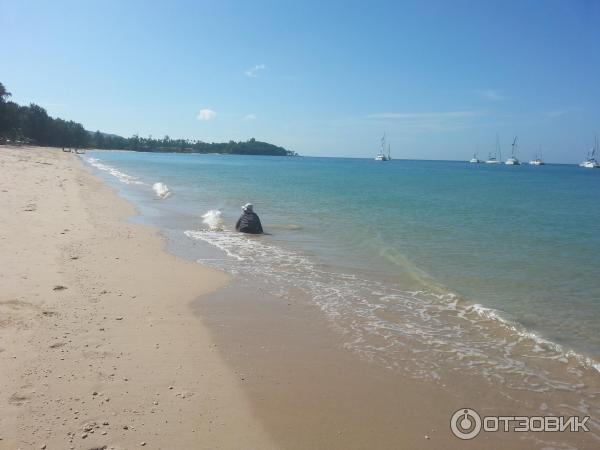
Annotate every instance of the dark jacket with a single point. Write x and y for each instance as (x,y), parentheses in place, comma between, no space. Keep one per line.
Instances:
(249,223)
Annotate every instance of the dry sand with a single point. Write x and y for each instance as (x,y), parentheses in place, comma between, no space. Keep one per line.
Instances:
(97,343)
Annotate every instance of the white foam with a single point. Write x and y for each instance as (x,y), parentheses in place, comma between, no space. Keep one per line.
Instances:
(161,189)
(213,220)
(121,176)
(216,239)
(382,322)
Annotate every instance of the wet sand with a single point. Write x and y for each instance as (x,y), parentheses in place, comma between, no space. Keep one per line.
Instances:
(311,392)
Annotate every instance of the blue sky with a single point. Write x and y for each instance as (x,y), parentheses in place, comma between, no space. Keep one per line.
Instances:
(441,78)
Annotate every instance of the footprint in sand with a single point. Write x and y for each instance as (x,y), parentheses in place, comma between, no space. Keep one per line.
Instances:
(57,345)
(17,399)
(16,313)
(16,305)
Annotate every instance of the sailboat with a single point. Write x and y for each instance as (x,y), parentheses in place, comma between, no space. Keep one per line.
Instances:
(591,162)
(537,160)
(513,161)
(475,159)
(492,159)
(381,155)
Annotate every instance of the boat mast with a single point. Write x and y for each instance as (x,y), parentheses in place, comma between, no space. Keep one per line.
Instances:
(513,146)
(498,149)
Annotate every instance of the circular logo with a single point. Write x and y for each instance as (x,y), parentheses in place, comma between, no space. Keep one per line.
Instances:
(465,423)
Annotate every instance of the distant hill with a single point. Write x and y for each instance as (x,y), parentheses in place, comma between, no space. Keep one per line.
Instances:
(106,135)
(32,124)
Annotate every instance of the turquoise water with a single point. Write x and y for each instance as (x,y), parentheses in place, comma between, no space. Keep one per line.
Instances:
(488,268)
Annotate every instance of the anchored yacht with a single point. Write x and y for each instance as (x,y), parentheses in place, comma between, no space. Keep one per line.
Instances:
(513,161)
(381,156)
(475,159)
(591,162)
(492,159)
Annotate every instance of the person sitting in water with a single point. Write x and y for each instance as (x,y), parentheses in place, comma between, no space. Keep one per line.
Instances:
(249,221)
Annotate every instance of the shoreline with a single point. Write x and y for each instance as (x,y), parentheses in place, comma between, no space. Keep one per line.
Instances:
(311,391)
(98,347)
(290,382)
(404,280)
(256,295)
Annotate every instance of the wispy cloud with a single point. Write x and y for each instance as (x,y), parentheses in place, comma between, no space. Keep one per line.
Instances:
(425,115)
(553,113)
(490,94)
(207,114)
(254,71)
(249,117)
(428,121)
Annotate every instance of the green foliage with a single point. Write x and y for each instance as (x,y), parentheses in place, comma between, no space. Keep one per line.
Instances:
(32,124)
(136,143)
(4,94)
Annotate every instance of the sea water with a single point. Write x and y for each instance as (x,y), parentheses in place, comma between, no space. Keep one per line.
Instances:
(423,266)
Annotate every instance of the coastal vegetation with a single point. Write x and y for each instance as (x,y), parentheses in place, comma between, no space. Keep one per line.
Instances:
(32,125)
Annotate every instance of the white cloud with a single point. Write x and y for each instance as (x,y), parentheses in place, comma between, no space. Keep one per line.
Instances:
(206,114)
(490,94)
(428,121)
(253,71)
(249,117)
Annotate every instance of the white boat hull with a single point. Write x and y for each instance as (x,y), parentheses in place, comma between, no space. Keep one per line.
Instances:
(591,162)
(590,165)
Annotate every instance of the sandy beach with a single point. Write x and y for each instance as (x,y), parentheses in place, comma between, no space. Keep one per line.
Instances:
(109,341)
(98,348)
(299,225)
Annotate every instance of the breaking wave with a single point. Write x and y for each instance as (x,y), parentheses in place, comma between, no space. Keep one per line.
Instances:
(121,176)
(421,333)
(212,219)
(161,190)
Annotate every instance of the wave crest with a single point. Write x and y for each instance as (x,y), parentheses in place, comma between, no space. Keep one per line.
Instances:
(161,190)
(213,220)
(121,176)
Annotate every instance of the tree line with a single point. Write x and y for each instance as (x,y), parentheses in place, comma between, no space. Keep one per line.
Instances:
(32,125)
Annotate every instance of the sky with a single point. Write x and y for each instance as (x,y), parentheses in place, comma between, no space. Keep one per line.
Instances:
(439,78)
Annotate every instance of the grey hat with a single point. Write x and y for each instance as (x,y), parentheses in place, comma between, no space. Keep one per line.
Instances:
(248,207)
